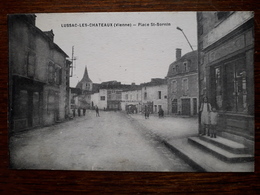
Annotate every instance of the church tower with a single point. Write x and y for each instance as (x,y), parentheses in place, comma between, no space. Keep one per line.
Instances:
(85,84)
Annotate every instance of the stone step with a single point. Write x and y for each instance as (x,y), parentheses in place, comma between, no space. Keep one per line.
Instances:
(226,144)
(249,143)
(220,153)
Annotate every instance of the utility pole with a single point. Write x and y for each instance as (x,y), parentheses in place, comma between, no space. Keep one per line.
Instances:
(72,62)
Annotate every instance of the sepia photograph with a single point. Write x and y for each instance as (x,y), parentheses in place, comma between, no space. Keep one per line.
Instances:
(132,91)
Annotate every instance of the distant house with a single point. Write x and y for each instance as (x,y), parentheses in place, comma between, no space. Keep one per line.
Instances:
(132,99)
(74,98)
(154,95)
(108,95)
(38,75)
(182,80)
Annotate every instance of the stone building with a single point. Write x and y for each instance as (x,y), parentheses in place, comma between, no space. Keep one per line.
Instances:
(154,95)
(182,80)
(226,71)
(38,75)
(132,99)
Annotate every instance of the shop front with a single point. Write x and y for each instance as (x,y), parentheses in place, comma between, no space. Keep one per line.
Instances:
(27,103)
(230,83)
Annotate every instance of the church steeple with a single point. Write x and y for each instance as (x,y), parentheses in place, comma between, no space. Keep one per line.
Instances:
(85,83)
(86,77)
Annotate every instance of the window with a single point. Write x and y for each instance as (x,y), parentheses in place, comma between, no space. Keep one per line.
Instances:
(177,68)
(102,98)
(145,95)
(58,75)
(126,96)
(30,64)
(51,72)
(229,90)
(118,95)
(174,86)
(217,86)
(236,86)
(185,66)
(159,95)
(165,97)
(185,87)
(173,70)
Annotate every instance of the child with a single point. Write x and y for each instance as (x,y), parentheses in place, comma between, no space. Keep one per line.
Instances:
(213,121)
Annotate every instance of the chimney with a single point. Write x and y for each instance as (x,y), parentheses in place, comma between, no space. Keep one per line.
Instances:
(178,54)
(50,34)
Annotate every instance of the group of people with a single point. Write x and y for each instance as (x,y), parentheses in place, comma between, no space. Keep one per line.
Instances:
(84,111)
(79,112)
(209,118)
(147,113)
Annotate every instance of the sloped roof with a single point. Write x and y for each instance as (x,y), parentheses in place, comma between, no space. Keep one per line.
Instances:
(191,56)
(155,82)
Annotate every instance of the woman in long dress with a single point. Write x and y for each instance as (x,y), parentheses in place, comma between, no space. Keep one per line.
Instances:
(205,110)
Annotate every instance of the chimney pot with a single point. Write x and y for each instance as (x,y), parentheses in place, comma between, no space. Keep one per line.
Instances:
(178,53)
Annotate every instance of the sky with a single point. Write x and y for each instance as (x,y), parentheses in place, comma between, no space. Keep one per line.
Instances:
(135,52)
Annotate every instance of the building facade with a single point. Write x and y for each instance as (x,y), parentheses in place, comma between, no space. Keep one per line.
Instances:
(154,95)
(132,99)
(37,69)
(226,70)
(182,81)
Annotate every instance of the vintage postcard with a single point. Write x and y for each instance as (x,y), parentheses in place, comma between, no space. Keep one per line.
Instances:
(132,91)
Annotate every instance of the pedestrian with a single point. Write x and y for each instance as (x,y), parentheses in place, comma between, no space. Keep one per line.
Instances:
(161,113)
(146,112)
(74,112)
(213,123)
(78,111)
(205,110)
(84,111)
(97,112)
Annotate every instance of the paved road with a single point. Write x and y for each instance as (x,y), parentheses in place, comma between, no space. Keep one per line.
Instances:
(112,141)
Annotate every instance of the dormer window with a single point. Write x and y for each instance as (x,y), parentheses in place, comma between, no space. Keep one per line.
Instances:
(177,68)
(186,66)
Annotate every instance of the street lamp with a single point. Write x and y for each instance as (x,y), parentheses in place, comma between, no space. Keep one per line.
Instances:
(178,28)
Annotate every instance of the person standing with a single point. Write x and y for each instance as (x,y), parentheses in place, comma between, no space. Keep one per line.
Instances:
(161,113)
(74,112)
(78,111)
(146,112)
(205,110)
(97,112)
(213,123)
(84,111)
